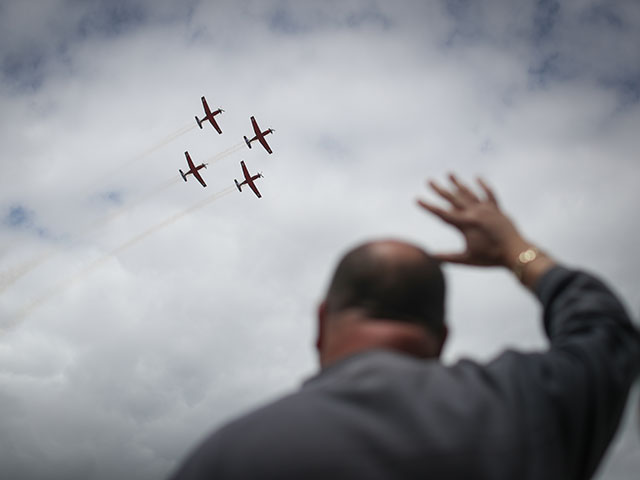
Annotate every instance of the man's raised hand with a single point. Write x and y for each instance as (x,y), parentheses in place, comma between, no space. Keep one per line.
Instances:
(491,237)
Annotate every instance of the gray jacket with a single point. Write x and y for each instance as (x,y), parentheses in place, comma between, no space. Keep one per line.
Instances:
(385,415)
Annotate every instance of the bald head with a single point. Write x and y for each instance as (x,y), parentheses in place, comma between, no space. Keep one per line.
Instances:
(390,280)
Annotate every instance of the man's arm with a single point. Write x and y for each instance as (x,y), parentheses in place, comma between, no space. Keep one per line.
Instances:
(576,390)
(586,375)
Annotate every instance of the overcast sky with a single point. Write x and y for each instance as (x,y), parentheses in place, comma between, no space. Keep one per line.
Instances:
(138,312)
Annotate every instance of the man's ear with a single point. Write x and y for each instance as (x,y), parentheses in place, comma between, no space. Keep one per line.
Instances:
(322,315)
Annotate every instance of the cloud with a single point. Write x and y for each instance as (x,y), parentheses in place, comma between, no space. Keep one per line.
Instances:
(588,41)
(294,18)
(19,216)
(34,42)
(132,350)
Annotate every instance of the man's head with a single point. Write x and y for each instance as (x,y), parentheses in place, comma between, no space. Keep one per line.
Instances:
(383,294)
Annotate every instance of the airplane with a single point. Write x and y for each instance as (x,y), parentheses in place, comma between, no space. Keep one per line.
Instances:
(248,179)
(193,170)
(209,116)
(259,135)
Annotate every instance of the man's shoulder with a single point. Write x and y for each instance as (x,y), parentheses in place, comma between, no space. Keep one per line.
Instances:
(378,379)
(382,396)
(358,374)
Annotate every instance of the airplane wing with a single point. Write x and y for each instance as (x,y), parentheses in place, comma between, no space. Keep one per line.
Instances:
(245,172)
(206,107)
(256,128)
(189,162)
(197,175)
(254,188)
(264,143)
(215,124)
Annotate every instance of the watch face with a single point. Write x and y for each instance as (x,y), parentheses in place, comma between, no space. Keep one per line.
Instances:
(527,256)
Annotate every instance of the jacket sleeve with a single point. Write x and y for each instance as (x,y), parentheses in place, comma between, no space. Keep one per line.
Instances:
(586,375)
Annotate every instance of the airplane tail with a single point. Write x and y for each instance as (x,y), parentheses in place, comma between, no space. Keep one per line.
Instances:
(199,121)
(238,185)
(184,177)
(248,142)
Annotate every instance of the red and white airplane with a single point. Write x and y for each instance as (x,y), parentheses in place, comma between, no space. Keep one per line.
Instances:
(209,116)
(259,135)
(193,170)
(248,179)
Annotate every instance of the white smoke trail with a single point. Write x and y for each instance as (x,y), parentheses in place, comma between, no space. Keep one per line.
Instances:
(11,276)
(170,138)
(107,176)
(125,208)
(64,284)
(224,153)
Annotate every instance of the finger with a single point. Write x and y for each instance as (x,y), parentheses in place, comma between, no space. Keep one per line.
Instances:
(488,192)
(465,191)
(461,257)
(447,195)
(443,214)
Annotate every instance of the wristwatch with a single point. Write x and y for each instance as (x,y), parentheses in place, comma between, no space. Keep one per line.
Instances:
(525,258)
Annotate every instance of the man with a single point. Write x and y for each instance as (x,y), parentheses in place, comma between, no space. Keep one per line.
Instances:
(383,407)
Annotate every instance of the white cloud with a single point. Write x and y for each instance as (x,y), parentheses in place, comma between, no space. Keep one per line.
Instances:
(119,370)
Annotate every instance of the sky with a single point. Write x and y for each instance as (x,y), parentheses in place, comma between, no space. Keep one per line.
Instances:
(138,312)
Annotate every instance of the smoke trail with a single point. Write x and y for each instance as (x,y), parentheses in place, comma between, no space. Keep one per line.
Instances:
(63,285)
(155,228)
(11,276)
(225,153)
(155,191)
(126,164)
(164,142)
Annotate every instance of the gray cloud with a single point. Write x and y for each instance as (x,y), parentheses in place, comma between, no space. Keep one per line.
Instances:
(590,41)
(35,37)
(119,370)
